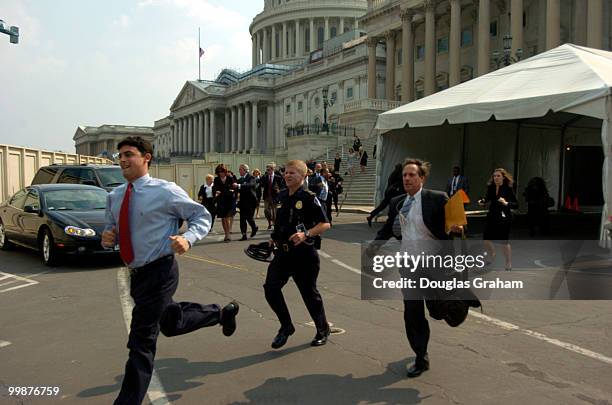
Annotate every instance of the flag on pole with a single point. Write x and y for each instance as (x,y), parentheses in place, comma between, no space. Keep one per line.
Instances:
(201,52)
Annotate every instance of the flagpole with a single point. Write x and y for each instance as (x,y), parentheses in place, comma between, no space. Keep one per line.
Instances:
(199,57)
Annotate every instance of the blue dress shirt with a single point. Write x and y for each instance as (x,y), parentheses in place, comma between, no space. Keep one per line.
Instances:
(156,206)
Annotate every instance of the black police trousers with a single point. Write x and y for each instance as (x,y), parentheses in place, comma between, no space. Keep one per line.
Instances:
(152,287)
(302,264)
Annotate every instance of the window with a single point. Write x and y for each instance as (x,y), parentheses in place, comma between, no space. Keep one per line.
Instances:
(420,94)
(45,175)
(466,37)
(317,101)
(307,38)
(70,176)
(18,199)
(320,37)
(349,92)
(334,96)
(399,56)
(32,199)
(288,108)
(443,45)
(493,28)
(300,105)
(420,52)
(333,32)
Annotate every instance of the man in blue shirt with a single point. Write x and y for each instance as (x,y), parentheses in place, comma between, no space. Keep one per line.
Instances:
(143,217)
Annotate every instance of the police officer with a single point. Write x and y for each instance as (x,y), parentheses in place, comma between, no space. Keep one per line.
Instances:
(300,220)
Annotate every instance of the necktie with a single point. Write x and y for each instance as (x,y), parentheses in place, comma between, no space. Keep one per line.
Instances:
(455,181)
(270,186)
(125,238)
(404,211)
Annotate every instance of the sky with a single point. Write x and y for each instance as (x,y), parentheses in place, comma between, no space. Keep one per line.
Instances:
(88,63)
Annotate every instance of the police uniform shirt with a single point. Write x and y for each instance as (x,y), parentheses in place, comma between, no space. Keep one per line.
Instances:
(301,207)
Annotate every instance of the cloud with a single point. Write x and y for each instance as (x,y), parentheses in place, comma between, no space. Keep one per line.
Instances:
(122,21)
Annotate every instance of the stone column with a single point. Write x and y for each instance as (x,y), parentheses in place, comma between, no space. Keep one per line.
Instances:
(201,142)
(259,48)
(553,23)
(212,146)
(179,136)
(266,46)
(187,144)
(247,127)
(254,50)
(241,127)
(227,147)
(407,56)
(174,137)
(284,41)
(516,16)
(254,127)
(372,42)
(312,36)
(341,25)
(455,44)
(274,52)
(299,43)
(484,37)
(206,131)
(234,144)
(595,14)
(270,128)
(326,32)
(390,74)
(430,47)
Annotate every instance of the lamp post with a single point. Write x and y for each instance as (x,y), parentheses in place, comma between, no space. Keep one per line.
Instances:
(326,103)
(12,32)
(506,58)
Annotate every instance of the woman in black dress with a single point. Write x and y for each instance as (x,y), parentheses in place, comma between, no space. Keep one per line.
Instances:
(501,200)
(363,162)
(224,197)
(257,175)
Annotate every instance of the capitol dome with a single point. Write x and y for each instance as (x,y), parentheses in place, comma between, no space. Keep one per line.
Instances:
(287,31)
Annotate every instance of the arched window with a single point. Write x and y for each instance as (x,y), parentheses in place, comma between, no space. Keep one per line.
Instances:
(333,32)
(320,37)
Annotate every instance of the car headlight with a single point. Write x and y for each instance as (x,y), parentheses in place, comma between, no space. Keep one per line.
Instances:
(76,231)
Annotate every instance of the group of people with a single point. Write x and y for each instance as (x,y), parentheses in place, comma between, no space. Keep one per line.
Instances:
(143,217)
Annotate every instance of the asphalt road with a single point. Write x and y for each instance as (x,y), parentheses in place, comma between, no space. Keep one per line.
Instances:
(65,327)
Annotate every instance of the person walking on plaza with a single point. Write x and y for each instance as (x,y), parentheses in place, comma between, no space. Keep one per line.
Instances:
(350,162)
(246,187)
(224,197)
(337,161)
(299,222)
(143,216)
(394,188)
(334,180)
(417,215)
(457,182)
(363,159)
(356,143)
(501,201)
(271,184)
(205,196)
(257,175)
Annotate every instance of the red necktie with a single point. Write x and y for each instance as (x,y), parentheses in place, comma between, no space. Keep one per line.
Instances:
(125,237)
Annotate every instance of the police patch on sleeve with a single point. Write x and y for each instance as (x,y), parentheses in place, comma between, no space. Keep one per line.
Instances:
(317,202)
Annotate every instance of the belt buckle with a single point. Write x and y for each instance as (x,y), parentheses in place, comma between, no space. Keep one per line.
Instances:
(285,247)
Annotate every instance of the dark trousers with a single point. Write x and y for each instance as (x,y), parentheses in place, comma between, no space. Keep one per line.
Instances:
(301,263)
(152,288)
(328,207)
(417,328)
(246,216)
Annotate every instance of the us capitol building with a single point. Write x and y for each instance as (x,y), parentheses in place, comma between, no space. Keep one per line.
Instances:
(324,69)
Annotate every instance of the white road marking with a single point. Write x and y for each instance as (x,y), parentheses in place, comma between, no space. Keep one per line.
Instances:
(25,282)
(511,327)
(156,392)
(4,343)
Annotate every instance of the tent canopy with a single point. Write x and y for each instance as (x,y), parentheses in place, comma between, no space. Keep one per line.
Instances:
(568,78)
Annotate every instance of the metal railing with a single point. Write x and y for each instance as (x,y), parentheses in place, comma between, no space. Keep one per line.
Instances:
(317,129)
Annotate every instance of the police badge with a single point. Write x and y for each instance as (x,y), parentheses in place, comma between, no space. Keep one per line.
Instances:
(298,205)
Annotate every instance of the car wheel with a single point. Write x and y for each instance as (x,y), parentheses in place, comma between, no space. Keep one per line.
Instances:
(5,244)
(50,255)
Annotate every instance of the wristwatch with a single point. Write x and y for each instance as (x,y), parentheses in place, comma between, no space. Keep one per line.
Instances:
(307,233)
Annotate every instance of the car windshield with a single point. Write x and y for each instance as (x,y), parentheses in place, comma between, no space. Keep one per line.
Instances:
(76,199)
(111,176)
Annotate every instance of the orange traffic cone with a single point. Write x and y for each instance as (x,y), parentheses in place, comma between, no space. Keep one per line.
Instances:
(575,206)
(568,203)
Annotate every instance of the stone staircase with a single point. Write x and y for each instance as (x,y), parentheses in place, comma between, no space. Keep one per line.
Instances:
(358,189)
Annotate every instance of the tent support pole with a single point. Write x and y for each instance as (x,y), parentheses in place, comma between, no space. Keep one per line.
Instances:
(462,164)
(516,156)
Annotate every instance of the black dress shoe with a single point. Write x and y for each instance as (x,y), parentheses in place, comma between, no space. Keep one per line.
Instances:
(369,221)
(320,338)
(281,338)
(254,231)
(243,237)
(228,318)
(417,369)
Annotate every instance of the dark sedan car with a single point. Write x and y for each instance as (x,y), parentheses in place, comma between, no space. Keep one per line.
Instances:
(56,219)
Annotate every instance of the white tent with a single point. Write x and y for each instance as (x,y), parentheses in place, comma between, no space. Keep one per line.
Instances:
(552,88)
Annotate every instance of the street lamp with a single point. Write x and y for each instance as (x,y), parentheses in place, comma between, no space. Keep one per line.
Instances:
(12,32)
(326,103)
(507,58)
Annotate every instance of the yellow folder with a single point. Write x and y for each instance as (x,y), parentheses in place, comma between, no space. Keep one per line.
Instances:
(454,211)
